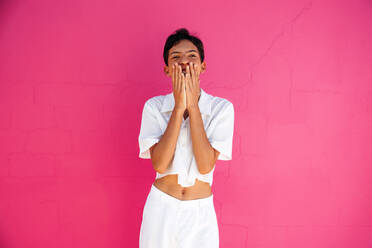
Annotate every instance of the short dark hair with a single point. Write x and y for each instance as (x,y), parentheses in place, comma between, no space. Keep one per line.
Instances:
(176,37)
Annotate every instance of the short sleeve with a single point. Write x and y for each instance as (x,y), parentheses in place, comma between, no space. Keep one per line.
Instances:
(220,132)
(150,132)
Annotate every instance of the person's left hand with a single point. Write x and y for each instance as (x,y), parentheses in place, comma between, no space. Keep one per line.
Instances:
(192,85)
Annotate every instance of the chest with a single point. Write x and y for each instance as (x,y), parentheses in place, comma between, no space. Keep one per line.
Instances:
(163,120)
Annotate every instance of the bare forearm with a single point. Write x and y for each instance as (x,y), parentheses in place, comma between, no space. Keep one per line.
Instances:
(202,149)
(163,151)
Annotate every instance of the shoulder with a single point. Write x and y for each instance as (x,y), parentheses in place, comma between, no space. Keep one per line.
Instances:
(220,104)
(155,102)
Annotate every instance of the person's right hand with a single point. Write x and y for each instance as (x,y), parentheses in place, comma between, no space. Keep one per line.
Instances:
(178,85)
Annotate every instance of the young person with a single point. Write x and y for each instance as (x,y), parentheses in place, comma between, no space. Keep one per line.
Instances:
(183,133)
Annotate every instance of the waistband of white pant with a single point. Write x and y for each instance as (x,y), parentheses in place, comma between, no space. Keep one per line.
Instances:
(174,200)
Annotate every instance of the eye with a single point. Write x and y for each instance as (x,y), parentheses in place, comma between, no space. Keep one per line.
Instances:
(192,55)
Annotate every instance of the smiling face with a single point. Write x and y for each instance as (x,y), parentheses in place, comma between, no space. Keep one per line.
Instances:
(183,53)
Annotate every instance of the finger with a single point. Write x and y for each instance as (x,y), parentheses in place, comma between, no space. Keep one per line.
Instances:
(187,69)
(182,82)
(176,77)
(173,83)
(180,78)
(192,71)
(192,79)
(197,69)
(188,77)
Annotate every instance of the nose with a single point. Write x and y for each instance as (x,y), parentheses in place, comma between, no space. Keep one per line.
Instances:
(184,61)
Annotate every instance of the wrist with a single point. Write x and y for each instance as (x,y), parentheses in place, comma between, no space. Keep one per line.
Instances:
(179,110)
(193,108)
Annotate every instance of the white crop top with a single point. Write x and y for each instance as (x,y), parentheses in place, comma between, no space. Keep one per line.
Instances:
(218,119)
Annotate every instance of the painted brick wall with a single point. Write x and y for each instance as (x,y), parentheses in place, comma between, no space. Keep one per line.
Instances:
(75,74)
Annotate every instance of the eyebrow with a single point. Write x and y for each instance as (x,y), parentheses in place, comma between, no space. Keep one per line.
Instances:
(192,50)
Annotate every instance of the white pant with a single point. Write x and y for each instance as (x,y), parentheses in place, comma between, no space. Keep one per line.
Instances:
(168,222)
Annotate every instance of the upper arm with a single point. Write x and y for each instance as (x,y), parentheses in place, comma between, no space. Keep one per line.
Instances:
(150,132)
(220,132)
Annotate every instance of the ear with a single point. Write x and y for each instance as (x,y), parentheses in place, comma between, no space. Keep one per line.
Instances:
(166,70)
(202,67)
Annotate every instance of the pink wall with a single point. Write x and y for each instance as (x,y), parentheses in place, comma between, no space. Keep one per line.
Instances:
(74,76)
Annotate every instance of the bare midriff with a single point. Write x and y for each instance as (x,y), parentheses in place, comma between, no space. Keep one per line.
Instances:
(169,185)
